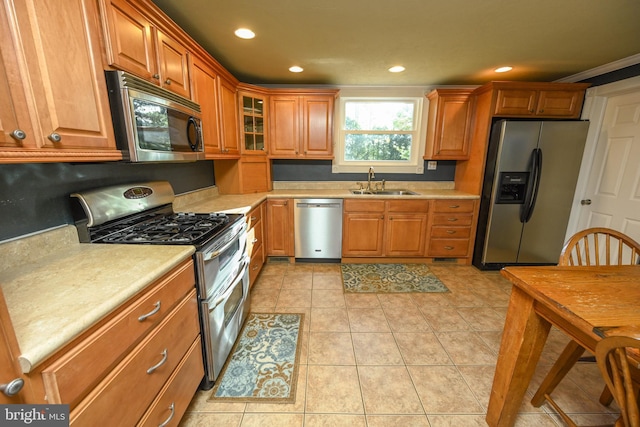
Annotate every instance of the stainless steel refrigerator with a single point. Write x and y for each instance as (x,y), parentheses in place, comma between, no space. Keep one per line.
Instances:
(529,183)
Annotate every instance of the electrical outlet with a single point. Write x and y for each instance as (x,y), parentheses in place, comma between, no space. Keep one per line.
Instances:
(432,165)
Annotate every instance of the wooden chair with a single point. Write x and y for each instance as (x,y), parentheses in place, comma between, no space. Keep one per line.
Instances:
(617,357)
(590,247)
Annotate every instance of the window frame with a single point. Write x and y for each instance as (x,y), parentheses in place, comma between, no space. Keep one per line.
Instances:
(415,164)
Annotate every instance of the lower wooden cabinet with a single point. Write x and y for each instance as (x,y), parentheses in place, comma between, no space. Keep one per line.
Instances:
(255,241)
(384,228)
(280,227)
(146,356)
(452,223)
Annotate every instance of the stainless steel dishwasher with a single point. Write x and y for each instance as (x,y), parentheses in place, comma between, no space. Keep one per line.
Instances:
(318,228)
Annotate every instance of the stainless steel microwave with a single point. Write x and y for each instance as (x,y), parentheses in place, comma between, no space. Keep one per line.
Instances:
(152,124)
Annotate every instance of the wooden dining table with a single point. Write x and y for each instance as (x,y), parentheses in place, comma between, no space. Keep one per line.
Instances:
(583,302)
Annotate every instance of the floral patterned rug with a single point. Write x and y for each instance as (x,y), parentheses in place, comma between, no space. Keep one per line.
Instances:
(390,278)
(263,365)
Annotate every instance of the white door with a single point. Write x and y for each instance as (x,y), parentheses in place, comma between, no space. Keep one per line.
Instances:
(613,185)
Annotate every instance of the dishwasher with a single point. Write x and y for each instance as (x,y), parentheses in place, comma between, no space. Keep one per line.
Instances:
(318,229)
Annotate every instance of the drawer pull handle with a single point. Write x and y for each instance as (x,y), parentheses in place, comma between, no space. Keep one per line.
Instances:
(454,206)
(172,408)
(452,219)
(449,248)
(451,232)
(254,241)
(151,313)
(253,218)
(165,354)
(255,267)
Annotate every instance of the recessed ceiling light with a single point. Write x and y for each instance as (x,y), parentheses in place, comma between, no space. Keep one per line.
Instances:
(503,69)
(296,69)
(245,33)
(397,69)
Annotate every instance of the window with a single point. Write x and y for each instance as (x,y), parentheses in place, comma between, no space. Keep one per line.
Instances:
(383,132)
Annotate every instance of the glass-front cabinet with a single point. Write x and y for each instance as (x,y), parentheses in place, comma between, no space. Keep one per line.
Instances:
(253,114)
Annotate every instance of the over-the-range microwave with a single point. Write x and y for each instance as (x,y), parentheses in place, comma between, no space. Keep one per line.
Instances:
(152,124)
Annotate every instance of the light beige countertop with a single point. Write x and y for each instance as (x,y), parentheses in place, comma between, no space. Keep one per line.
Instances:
(52,299)
(243,203)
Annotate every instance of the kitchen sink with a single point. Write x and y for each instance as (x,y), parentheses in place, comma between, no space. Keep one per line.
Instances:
(386,192)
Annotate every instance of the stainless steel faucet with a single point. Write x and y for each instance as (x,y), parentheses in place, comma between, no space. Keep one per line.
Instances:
(370,175)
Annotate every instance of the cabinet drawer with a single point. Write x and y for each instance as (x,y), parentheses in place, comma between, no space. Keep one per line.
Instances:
(254,217)
(257,260)
(408,206)
(448,248)
(442,232)
(254,239)
(459,219)
(126,393)
(363,205)
(69,378)
(172,402)
(453,205)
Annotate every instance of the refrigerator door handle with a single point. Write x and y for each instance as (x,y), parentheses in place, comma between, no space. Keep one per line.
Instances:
(532,188)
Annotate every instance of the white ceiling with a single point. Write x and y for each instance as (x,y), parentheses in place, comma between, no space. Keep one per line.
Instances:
(440,42)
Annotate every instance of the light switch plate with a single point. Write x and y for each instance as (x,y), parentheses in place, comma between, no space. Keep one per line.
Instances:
(432,165)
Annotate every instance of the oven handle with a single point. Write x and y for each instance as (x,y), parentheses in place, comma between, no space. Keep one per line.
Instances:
(230,289)
(211,255)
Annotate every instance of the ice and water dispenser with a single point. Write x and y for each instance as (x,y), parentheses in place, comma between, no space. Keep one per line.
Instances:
(512,187)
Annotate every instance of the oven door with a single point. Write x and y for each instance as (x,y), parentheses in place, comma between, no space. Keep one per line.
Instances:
(219,264)
(225,314)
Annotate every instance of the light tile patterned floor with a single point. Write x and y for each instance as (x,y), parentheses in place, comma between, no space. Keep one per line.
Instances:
(398,359)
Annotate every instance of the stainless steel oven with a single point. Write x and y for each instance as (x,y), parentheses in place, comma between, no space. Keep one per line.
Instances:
(143,214)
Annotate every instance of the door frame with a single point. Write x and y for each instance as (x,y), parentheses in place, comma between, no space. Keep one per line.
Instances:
(595,105)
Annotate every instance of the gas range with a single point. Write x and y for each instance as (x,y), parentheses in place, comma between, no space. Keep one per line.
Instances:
(140,214)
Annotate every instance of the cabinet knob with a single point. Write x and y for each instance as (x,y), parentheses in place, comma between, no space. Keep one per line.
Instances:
(156,76)
(542,111)
(167,82)
(55,137)
(12,388)
(585,202)
(18,134)
(254,241)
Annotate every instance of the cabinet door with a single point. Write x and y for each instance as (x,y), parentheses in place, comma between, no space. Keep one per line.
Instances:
(449,126)
(516,102)
(15,124)
(405,234)
(205,93)
(279,227)
(317,126)
(284,130)
(255,174)
(362,234)
(229,118)
(64,77)
(129,40)
(560,103)
(253,117)
(173,58)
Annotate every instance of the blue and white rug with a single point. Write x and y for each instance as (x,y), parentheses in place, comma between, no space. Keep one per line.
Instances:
(263,365)
(390,278)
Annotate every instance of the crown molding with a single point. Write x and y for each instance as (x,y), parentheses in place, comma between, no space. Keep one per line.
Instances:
(603,69)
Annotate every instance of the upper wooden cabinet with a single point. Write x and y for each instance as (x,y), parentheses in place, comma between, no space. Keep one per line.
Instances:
(135,44)
(544,100)
(449,125)
(253,106)
(205,92)
(229,118)
(301,124)
(53,96)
